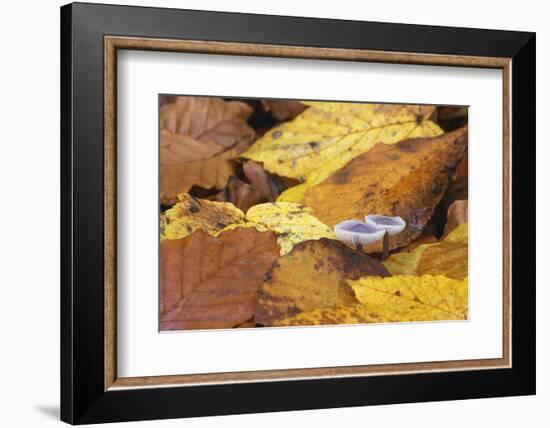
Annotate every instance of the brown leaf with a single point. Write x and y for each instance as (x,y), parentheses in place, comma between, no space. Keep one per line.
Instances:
(283,109)
(313,275)
(212,282)
(406,179)
(457,214)
(259,189)
(210,120)
(458,189)
(199,139)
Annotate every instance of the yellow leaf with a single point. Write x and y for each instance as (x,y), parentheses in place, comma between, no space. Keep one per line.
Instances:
(401,298)
(448,257)
(413,298)
(405,263)
(326,136)
(293,223)
(312,275)
(190,214)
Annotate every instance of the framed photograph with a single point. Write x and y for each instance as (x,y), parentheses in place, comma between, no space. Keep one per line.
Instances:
(265,213)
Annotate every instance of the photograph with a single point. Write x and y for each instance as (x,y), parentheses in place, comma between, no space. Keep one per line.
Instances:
(291,212)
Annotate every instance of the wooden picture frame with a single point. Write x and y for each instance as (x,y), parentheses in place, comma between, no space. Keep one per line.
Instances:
(91,391)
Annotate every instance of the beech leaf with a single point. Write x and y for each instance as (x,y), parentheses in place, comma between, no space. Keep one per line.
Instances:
(199,139)
(260,188)
(190,214)
(406,179)
(313,275)
(406,298)
(457,214)
(283,109)
(393,299)
(293,223)
(326,136)
(448,257)
(212,282)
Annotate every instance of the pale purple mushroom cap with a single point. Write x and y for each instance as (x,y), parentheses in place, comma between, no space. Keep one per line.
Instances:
(356,232)
(393,225)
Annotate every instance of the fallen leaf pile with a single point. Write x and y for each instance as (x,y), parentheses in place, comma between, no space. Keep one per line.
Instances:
(250,191)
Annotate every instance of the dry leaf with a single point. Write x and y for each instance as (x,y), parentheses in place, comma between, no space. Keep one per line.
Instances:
(190,214)
(293,223)
(406,298)
(260,188)
(458,189)
(448,257)
(313,275)
(406,179)
(209,120)
(199,139)
(457,214)
(212,282)
(326,136)
(283,109)
(393,299)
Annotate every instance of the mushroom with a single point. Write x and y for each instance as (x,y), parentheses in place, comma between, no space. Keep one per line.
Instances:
(389,225)
(357,233)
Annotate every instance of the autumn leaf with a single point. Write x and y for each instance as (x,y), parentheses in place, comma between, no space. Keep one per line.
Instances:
(406,179)
(209,120)
(393,299)
(414,298)
(212,282)
(199,139)
(313,275)
(326,136)
(283,109)
(190,214)
(293,223)
(457,214)
(260,188)
(448,257)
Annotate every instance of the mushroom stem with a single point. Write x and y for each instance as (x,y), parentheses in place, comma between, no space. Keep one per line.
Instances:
(358,247)
(386,246)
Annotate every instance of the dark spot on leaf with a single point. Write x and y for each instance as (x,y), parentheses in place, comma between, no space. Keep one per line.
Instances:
(276,134)
(221,225)
(193,207)
(397,293)
(408,146)
(418,119)
(313,144)
(341,177)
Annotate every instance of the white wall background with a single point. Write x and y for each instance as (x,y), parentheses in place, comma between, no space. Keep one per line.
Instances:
(29,213)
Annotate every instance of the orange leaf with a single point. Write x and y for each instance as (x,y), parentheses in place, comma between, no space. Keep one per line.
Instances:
(212,282)
(313,275)
(406,179)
